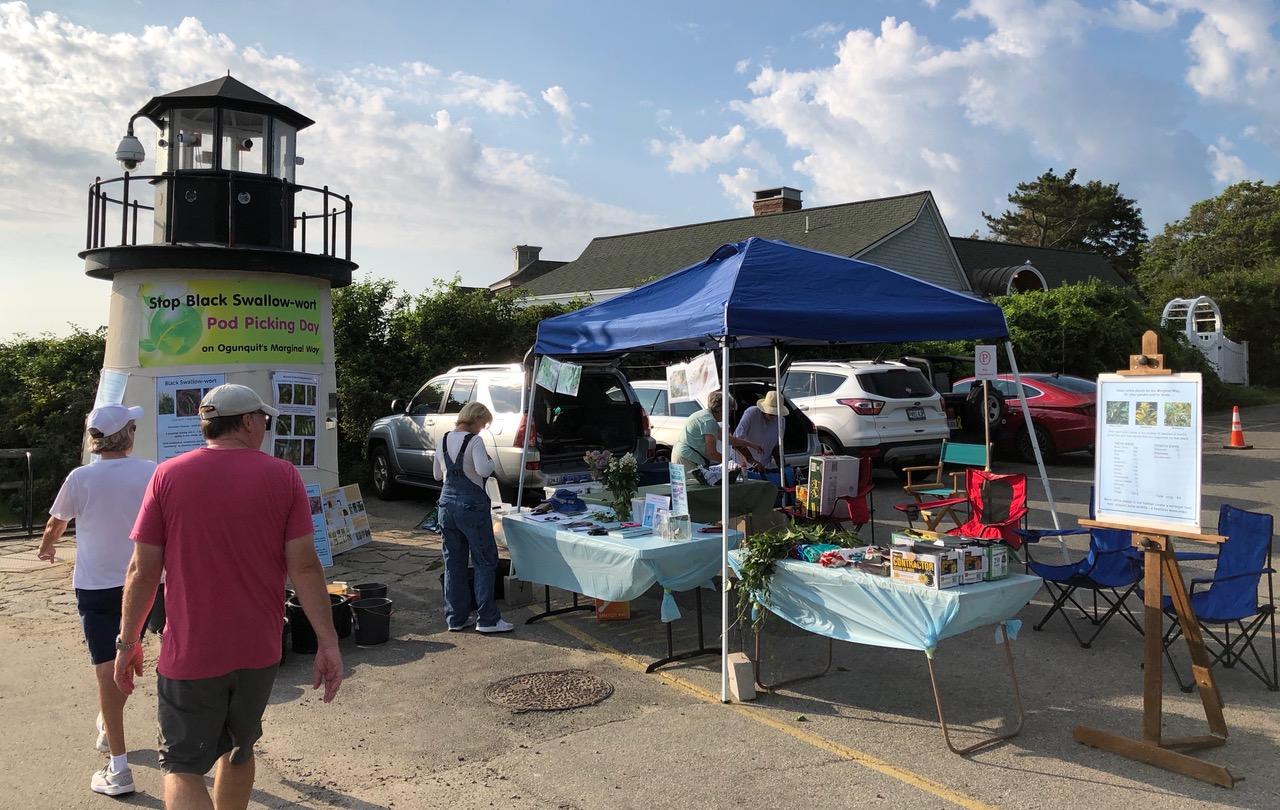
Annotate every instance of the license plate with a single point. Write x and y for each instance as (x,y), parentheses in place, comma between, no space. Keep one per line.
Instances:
(915,414)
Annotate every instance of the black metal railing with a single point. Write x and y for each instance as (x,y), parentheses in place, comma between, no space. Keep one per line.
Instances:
(109,215)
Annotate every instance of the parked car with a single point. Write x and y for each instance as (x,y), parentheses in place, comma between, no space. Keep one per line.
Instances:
(605,413)
(888,411)
(964,408)
(800,439)
(1062,408)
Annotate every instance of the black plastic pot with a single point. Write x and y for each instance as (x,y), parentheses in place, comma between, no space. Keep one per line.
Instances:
(371,590)
(341,615)
(300,630)
(373,621)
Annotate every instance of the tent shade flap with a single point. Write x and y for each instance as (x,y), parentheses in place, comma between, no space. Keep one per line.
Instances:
(760,291)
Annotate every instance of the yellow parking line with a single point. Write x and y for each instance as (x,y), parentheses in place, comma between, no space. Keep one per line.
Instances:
(761,716)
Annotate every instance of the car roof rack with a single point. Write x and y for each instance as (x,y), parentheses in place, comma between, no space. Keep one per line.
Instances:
(486,367)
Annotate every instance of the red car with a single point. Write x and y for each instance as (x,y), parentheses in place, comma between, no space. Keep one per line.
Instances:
(1062,409)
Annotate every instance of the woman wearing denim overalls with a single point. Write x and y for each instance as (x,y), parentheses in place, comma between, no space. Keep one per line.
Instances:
(466,523)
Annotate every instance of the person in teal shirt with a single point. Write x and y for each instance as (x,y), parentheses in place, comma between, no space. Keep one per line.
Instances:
(698,446)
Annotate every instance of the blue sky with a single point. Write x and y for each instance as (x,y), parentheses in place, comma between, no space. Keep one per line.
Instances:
(461,129)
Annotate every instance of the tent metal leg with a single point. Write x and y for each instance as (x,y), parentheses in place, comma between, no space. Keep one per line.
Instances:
(702,649)
(759,662)
(1017,703)
(575,607)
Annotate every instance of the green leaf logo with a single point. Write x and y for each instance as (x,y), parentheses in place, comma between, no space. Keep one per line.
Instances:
(173,331)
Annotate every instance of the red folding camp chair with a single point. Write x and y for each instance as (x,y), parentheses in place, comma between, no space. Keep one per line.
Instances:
(858,509)
(997,504)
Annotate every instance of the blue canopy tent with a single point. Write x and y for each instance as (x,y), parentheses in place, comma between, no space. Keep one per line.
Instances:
(760,293)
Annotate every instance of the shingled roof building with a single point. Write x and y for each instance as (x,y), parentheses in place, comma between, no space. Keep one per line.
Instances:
(905,233)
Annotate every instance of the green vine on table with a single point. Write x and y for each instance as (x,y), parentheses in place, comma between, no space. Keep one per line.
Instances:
(762,550)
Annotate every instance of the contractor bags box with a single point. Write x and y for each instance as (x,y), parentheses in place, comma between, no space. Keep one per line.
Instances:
(830,477)
(932,567)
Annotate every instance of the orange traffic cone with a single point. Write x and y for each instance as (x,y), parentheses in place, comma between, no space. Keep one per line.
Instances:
(1237,432)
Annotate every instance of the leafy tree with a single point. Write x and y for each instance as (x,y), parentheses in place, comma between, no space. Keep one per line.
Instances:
(1058,212)
(47,385)
(1228,248)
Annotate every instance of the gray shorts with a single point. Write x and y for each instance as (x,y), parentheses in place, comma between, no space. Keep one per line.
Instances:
(200,720)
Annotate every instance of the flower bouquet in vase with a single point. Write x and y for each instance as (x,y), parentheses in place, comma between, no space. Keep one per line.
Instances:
(622,479)
(597,461)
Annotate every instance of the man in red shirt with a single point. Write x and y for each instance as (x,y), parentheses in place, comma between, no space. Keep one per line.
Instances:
(225,523)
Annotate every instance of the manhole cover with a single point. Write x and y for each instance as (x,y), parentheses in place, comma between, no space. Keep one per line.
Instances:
(549,691)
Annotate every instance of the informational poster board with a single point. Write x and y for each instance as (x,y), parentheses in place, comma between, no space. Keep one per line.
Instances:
(320,531)
(110,387)
(295,396)
(178,412)
(1147,458)
(229,321)
(562,378)
(679,490)
(346,521)
(694,380)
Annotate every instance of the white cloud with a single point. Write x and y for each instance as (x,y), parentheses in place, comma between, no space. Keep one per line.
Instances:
(1133,15)
(741,65)
(685,156)
(738,186)
(1227,168)
(431,198)
(822,31)
(558,100)
(895,112)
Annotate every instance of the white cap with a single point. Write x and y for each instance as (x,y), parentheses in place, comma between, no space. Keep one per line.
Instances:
(233,400)
(111,419)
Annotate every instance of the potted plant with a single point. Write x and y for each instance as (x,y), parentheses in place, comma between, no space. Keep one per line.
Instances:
(622,480)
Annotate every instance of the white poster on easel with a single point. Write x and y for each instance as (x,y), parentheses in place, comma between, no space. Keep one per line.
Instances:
(1147,455)
(704,378)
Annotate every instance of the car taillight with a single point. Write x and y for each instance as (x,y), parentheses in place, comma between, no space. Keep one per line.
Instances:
(644,422)
(863,407)
(533,435)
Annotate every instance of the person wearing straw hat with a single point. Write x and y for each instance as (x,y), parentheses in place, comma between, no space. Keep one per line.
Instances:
(759,427)
(103,498)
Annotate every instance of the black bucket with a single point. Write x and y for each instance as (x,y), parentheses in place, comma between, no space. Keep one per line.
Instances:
(300,630)
(371,590)
(373,621)
(341,615)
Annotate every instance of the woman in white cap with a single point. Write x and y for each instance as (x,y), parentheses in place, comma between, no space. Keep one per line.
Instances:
(103,498)
(759,426)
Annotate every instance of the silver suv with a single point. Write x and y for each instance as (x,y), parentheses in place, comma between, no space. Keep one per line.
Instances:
(888,411)
(401,448)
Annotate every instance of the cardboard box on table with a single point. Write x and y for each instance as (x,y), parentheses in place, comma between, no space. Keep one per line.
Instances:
(931,566)
(830,477)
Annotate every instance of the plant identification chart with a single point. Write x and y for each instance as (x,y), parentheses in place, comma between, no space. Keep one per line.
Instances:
(178,412)
(1147,459)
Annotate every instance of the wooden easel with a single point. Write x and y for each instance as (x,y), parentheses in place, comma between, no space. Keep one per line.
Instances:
(1161,567)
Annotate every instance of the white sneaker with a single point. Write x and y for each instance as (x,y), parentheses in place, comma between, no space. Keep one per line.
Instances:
(112,784)
(101,744)
(470,620)
(503,626)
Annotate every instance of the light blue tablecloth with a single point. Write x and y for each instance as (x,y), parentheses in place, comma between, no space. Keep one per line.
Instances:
(610,568)
(851,605)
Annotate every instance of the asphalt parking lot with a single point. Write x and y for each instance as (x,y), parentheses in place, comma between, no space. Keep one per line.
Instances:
(412,728)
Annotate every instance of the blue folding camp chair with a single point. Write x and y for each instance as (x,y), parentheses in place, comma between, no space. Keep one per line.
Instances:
(1230,597)
(1110,570)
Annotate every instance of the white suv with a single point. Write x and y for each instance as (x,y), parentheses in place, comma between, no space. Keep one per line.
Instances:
(888,411)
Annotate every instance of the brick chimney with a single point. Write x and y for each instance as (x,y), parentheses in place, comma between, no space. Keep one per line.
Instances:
(525,255)
(777,200)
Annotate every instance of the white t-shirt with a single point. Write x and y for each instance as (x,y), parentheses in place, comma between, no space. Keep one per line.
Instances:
(476,465)
(104,499)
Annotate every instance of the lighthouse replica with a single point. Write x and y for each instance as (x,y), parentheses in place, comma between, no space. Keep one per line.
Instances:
(221,269)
